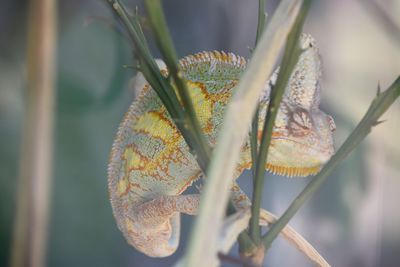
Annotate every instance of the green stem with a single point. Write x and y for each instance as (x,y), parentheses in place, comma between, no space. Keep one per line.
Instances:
(246,244)
(185,122)
(254,142)
(164,42)
(254,123)
(158,81)
(261,19)
(378,106)
(290,58)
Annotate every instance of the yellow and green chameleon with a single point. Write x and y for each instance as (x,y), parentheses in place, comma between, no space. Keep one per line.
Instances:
(151,165)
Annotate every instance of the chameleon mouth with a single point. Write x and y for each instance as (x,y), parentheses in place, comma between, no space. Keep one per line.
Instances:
(293,171)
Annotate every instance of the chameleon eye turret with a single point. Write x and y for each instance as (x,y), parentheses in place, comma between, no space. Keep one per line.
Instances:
(151,165)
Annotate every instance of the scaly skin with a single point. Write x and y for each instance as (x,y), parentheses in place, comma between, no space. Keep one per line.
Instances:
(151,166)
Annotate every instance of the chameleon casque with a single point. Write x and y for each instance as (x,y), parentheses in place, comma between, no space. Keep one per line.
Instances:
(151,165)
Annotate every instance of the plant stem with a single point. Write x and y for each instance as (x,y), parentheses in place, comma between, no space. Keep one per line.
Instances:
(148,65)
(164,42)
(254,124)
(378,106)
(245,246)
(186,123)
(34,183)
(254,141)
(290,58)
(261,19)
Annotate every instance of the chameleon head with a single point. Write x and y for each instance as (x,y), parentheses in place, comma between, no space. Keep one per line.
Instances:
(303,145)
(302,137)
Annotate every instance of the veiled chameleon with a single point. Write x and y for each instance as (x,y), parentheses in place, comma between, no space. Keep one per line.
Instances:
(151,166)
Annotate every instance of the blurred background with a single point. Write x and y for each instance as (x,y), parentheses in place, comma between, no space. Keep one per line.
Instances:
(352,221)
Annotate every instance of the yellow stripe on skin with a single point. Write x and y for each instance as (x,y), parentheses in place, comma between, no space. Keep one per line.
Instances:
(133,159)
(123,186)
(155,125)
(202,104)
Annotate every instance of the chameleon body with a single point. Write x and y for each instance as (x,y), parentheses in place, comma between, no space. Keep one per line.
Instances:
(151,165)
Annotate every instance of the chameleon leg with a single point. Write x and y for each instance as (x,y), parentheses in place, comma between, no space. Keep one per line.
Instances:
(155,225)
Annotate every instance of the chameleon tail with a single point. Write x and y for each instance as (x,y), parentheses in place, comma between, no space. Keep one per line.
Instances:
(155,212)
(154,227)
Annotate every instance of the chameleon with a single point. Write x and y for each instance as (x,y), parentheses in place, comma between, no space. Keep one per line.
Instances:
(151,166)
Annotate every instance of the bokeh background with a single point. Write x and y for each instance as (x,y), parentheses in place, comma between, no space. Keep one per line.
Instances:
(354,220)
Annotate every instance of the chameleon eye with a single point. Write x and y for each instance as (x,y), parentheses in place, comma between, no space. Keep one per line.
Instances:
(302,119)
(300,123)
(331,122)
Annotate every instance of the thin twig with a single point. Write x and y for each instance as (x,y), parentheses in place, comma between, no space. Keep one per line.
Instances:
(186,124)
(290,58)
(148,65)
(246,244)
(164,42)
(261,20)
(254,124)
